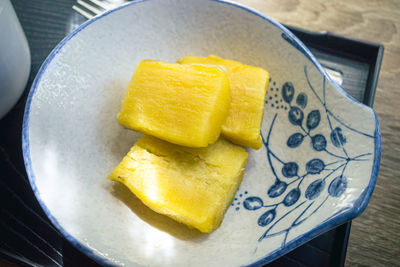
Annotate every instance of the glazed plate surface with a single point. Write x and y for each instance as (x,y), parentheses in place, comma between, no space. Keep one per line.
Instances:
(316,169)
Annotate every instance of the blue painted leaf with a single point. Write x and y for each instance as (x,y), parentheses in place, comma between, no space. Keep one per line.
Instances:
(266,218)
(287,92)
(291,197)
(313,119)
(277,189)
(296,116)
(315,189)
(290,169)
(301,100)
(315,166)
(337,186)
(295,140)
(253,203)
(337,137)
(318,142)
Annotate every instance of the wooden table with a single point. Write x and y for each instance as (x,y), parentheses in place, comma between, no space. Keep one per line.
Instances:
(375,235)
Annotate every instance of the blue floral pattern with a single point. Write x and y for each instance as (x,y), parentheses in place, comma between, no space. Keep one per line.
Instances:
(319,176)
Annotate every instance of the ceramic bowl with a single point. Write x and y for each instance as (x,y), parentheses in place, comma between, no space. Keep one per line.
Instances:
(316,170)
(15,58)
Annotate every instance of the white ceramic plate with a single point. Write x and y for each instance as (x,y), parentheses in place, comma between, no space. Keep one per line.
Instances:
(317,168)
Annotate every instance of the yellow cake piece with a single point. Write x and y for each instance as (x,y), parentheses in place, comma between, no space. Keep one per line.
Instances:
(194,186)
(182,104)
(248,87)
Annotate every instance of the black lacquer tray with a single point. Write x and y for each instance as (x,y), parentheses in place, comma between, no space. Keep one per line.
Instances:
(27,237)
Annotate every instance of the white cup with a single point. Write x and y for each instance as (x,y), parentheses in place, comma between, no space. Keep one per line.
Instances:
(15,58)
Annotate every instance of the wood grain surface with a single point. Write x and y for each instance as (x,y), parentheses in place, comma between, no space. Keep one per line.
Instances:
(375,235)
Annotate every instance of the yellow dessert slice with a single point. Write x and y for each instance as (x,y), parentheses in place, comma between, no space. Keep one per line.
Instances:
(194,186)
(248,87)
(183,104)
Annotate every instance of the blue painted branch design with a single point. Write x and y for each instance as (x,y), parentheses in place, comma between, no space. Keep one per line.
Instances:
(325,173)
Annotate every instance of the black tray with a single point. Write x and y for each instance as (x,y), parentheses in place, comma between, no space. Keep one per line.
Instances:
(26,235)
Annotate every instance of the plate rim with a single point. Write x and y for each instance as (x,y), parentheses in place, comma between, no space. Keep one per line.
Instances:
(334,221)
